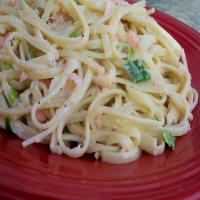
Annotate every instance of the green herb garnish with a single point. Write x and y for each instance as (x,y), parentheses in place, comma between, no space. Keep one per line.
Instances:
(122,46)
(73,34)
(95,50)
(37,7)
(11,95)
(8,124)
(7,66)
(136,70)
(30,50)
(169,139)
(135,67)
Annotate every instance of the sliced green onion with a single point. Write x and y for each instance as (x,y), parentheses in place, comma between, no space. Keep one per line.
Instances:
(169,139)
(122,46)
(30,52)
(133,72)
(94,50)
(11,95)
(73,34)
(130,53)
(7,66)
(38,7)
(146,75)
(136,70)
(8,124)
(139,64)
(18,45)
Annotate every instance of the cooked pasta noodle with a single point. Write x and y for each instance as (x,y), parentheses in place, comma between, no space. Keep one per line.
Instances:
(90,76)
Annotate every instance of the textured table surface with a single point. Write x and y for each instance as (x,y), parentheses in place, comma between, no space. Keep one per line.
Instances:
(188,11)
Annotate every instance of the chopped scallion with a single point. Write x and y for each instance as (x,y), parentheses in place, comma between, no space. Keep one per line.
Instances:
(38,8)
(11,95)
(136,70)
(73,34)
(8,124)
(7,66)
(133,72)
(146,75)
(169,139)
(30,52)
(94,50)
(122,46)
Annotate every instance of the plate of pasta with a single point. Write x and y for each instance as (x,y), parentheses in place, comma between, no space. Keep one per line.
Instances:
(98,100)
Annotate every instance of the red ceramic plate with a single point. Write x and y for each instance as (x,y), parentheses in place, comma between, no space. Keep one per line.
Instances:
(35,173)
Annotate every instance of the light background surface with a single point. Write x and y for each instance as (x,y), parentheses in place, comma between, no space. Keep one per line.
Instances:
(188,11)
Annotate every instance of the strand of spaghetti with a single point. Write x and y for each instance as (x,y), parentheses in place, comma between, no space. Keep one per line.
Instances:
(82,19)
(151,144)
(138,122)
(8,10)
(150,23)
(30,17)
(21,130)
(71,66)
(9,74)
(181,105)
(47,12)
(39,137)
(95,66)
(38,43)
(145,87)
(14,112)
(14,22)
(77,151)
(123,11)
